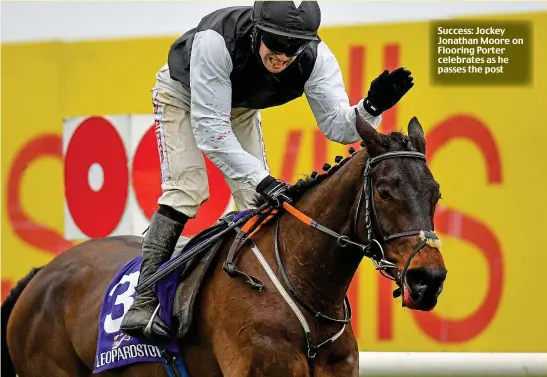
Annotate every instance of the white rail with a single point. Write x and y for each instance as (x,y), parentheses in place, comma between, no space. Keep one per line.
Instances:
(451,364)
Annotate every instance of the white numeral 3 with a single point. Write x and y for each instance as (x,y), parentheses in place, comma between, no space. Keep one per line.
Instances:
(125,298)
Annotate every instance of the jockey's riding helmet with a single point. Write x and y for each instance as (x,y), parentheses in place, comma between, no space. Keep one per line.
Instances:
(285,26)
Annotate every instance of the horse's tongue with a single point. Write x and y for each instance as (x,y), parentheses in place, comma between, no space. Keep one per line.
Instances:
(407,299)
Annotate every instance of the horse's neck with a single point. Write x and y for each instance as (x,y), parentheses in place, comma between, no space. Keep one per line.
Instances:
(318,268)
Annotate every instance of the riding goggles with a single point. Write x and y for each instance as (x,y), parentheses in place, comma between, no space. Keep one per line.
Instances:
(280,45)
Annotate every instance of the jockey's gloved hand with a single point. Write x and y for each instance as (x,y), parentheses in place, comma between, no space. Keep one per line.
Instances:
(276,191)
(387,89)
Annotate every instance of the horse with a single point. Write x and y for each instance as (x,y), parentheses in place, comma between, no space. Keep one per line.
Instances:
(378,203)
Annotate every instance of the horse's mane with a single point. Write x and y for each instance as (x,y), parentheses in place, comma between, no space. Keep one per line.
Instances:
(314,179)
(304,184)
(393,141)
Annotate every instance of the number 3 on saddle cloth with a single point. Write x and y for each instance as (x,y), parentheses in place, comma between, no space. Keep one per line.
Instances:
(114,347)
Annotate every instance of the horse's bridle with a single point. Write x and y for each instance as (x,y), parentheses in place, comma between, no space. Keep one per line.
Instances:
(378,256)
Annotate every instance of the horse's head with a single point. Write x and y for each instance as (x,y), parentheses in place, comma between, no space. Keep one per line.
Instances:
(395,212)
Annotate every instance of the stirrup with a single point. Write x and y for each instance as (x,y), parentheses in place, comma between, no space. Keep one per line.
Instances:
(148,329)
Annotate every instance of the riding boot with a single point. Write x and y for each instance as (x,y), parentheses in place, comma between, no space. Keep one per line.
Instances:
(157,247)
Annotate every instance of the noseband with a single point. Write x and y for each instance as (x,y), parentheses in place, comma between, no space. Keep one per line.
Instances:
(377,256)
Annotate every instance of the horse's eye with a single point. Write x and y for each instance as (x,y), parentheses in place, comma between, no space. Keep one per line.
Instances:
(384,194)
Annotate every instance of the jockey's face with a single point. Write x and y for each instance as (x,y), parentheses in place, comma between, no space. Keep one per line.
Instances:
(274,62)
(277,52)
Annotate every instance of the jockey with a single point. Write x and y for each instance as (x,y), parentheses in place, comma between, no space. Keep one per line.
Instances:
(207,98)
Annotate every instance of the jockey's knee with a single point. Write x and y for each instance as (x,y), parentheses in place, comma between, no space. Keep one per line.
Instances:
(186,195)
(173,214)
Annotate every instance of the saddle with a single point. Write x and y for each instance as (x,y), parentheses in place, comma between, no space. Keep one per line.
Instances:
(194,272)
(183,274)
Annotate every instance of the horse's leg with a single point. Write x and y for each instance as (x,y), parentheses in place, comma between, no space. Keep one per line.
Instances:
(263,356)
(247,339)
(48,364)
(40,347)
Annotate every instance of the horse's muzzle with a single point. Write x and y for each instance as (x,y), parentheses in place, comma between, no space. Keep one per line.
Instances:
(424,284)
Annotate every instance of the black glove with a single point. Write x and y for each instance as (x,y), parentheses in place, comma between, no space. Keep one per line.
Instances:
(276,191)
(387,89)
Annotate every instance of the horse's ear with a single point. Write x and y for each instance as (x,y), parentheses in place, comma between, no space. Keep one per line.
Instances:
(366,131)
(416,134)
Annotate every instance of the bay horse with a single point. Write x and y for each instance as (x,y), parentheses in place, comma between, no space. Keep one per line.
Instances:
(378,203)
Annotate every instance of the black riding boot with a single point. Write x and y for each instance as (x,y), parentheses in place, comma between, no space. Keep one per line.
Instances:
(157,247)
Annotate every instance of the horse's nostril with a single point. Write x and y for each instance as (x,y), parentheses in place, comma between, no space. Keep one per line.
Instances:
(425,281)
(440,289)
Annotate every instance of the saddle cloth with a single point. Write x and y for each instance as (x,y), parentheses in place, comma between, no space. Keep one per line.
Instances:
(114,347)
